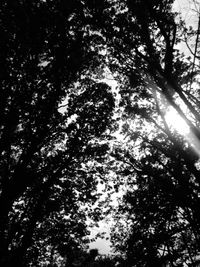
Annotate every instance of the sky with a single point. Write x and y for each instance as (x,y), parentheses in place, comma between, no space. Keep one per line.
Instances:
(103,245)
(188,10)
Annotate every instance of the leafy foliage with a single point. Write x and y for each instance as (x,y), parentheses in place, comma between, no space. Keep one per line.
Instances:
(46,179)
(158,221)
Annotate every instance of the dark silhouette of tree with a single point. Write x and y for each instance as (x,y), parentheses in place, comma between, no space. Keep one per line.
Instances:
(92,258)
(160,214)
(54,117)
(47,56)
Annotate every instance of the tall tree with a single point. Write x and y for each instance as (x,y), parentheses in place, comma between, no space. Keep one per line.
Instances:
(161,166)
(46,150)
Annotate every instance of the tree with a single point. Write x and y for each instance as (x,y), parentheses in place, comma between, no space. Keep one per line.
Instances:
(160,166)
(158,214)
(47,151)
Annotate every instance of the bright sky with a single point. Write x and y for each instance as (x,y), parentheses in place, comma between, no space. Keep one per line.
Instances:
(103,245)
(188,10)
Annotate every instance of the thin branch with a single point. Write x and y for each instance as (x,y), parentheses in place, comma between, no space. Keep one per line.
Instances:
(195,51)
(186,42)
(62,106)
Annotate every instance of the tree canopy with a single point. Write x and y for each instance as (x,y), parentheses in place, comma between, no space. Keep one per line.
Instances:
(55,142)
(48,149)
(159,216)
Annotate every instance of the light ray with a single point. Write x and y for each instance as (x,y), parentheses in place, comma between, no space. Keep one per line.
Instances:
(175,122)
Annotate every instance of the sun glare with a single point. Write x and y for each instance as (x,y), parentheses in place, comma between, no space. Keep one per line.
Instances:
(175,122)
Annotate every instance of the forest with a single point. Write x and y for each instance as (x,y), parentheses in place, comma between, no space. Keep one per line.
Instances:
(66,132)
